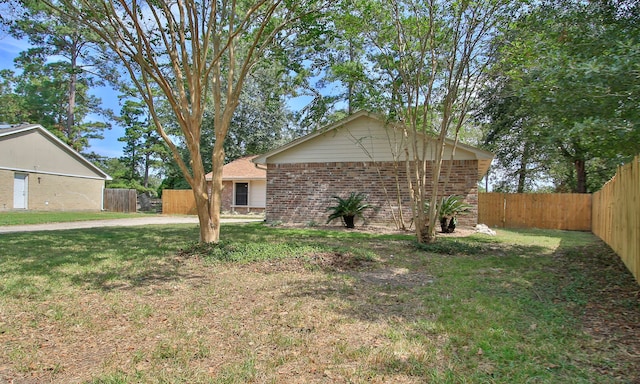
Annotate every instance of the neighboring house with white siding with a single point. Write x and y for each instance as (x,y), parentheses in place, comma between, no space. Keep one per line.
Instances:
(40,172)
(244,186)
(360,153)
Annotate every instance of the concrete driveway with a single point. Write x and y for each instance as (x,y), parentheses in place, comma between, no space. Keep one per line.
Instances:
(128,222)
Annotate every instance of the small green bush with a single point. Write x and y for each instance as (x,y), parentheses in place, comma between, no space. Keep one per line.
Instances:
(349,208)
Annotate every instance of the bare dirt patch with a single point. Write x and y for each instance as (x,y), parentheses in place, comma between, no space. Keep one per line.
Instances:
(383,230)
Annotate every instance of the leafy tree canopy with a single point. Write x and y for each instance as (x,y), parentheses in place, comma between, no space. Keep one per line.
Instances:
(563,102)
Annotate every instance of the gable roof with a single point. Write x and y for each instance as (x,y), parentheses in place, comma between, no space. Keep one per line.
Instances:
(11,130)
(241,169)
(484,158)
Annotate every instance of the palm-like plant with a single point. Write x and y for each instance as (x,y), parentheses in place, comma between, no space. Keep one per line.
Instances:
(347,209)
(449,208)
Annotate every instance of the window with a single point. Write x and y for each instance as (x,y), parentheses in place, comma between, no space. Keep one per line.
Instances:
(242,193)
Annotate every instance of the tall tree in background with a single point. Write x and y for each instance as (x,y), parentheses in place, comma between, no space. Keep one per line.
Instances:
(143,147)
(338,76)
(262,119)
(523,153)
(196,53)
(13,110)
(42,89)
(573,69)
(56,73)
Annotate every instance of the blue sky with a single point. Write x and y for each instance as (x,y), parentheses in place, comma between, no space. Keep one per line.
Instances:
(109,146)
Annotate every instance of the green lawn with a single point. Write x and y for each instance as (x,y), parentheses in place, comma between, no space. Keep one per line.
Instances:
(42,217)
(36,217)
(273,304)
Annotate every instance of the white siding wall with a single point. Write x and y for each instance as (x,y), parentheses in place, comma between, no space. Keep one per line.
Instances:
(258,193)
(363,139)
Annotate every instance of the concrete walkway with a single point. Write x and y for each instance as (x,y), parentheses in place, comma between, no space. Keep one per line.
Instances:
(128,222)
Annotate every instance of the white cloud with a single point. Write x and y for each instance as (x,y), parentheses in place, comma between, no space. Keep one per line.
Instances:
(13,46)
(9,50)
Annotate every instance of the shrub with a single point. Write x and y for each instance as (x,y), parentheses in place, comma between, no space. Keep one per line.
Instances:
(347,209)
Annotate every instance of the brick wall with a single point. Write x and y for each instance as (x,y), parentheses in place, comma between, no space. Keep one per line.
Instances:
(301,193)
(227,196)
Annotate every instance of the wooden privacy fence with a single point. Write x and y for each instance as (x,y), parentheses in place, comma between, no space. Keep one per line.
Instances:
(567,211)
(120,200)
(616,215)
(178,202)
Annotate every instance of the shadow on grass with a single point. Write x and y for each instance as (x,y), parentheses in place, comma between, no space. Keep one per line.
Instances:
(602,298)
(111,258)
(101,258)
(491,304)
(497,303)
(451,269)
(459,269)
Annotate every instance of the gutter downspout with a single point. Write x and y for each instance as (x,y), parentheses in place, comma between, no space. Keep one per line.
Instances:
(258,166)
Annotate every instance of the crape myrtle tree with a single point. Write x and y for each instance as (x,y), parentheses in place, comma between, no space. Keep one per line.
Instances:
(431,58)
(420,63)
(260,123)
(198,53)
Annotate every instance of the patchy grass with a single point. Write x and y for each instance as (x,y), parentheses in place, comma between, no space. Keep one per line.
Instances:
(37,217)
(42,217)
(271,305)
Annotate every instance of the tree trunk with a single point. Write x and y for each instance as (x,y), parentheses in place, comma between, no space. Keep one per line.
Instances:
(423,234)
(145,179)
(581,176)
(133,175)
(71,108)
(522,171)
(208,234)
(215,195)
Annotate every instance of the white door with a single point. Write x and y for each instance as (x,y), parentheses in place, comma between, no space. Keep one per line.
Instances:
(20,191)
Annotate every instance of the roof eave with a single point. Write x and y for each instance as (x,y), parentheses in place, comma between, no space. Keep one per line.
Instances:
(71,151)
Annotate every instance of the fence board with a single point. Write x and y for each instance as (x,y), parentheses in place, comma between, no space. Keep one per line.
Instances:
(567,211)
(616,215)
(120,200)
(178,202)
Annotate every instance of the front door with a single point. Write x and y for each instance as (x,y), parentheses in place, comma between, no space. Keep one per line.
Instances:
(20,190)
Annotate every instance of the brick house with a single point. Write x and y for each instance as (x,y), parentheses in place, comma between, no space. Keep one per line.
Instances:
(360,153)
(40,172)
(244,186)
